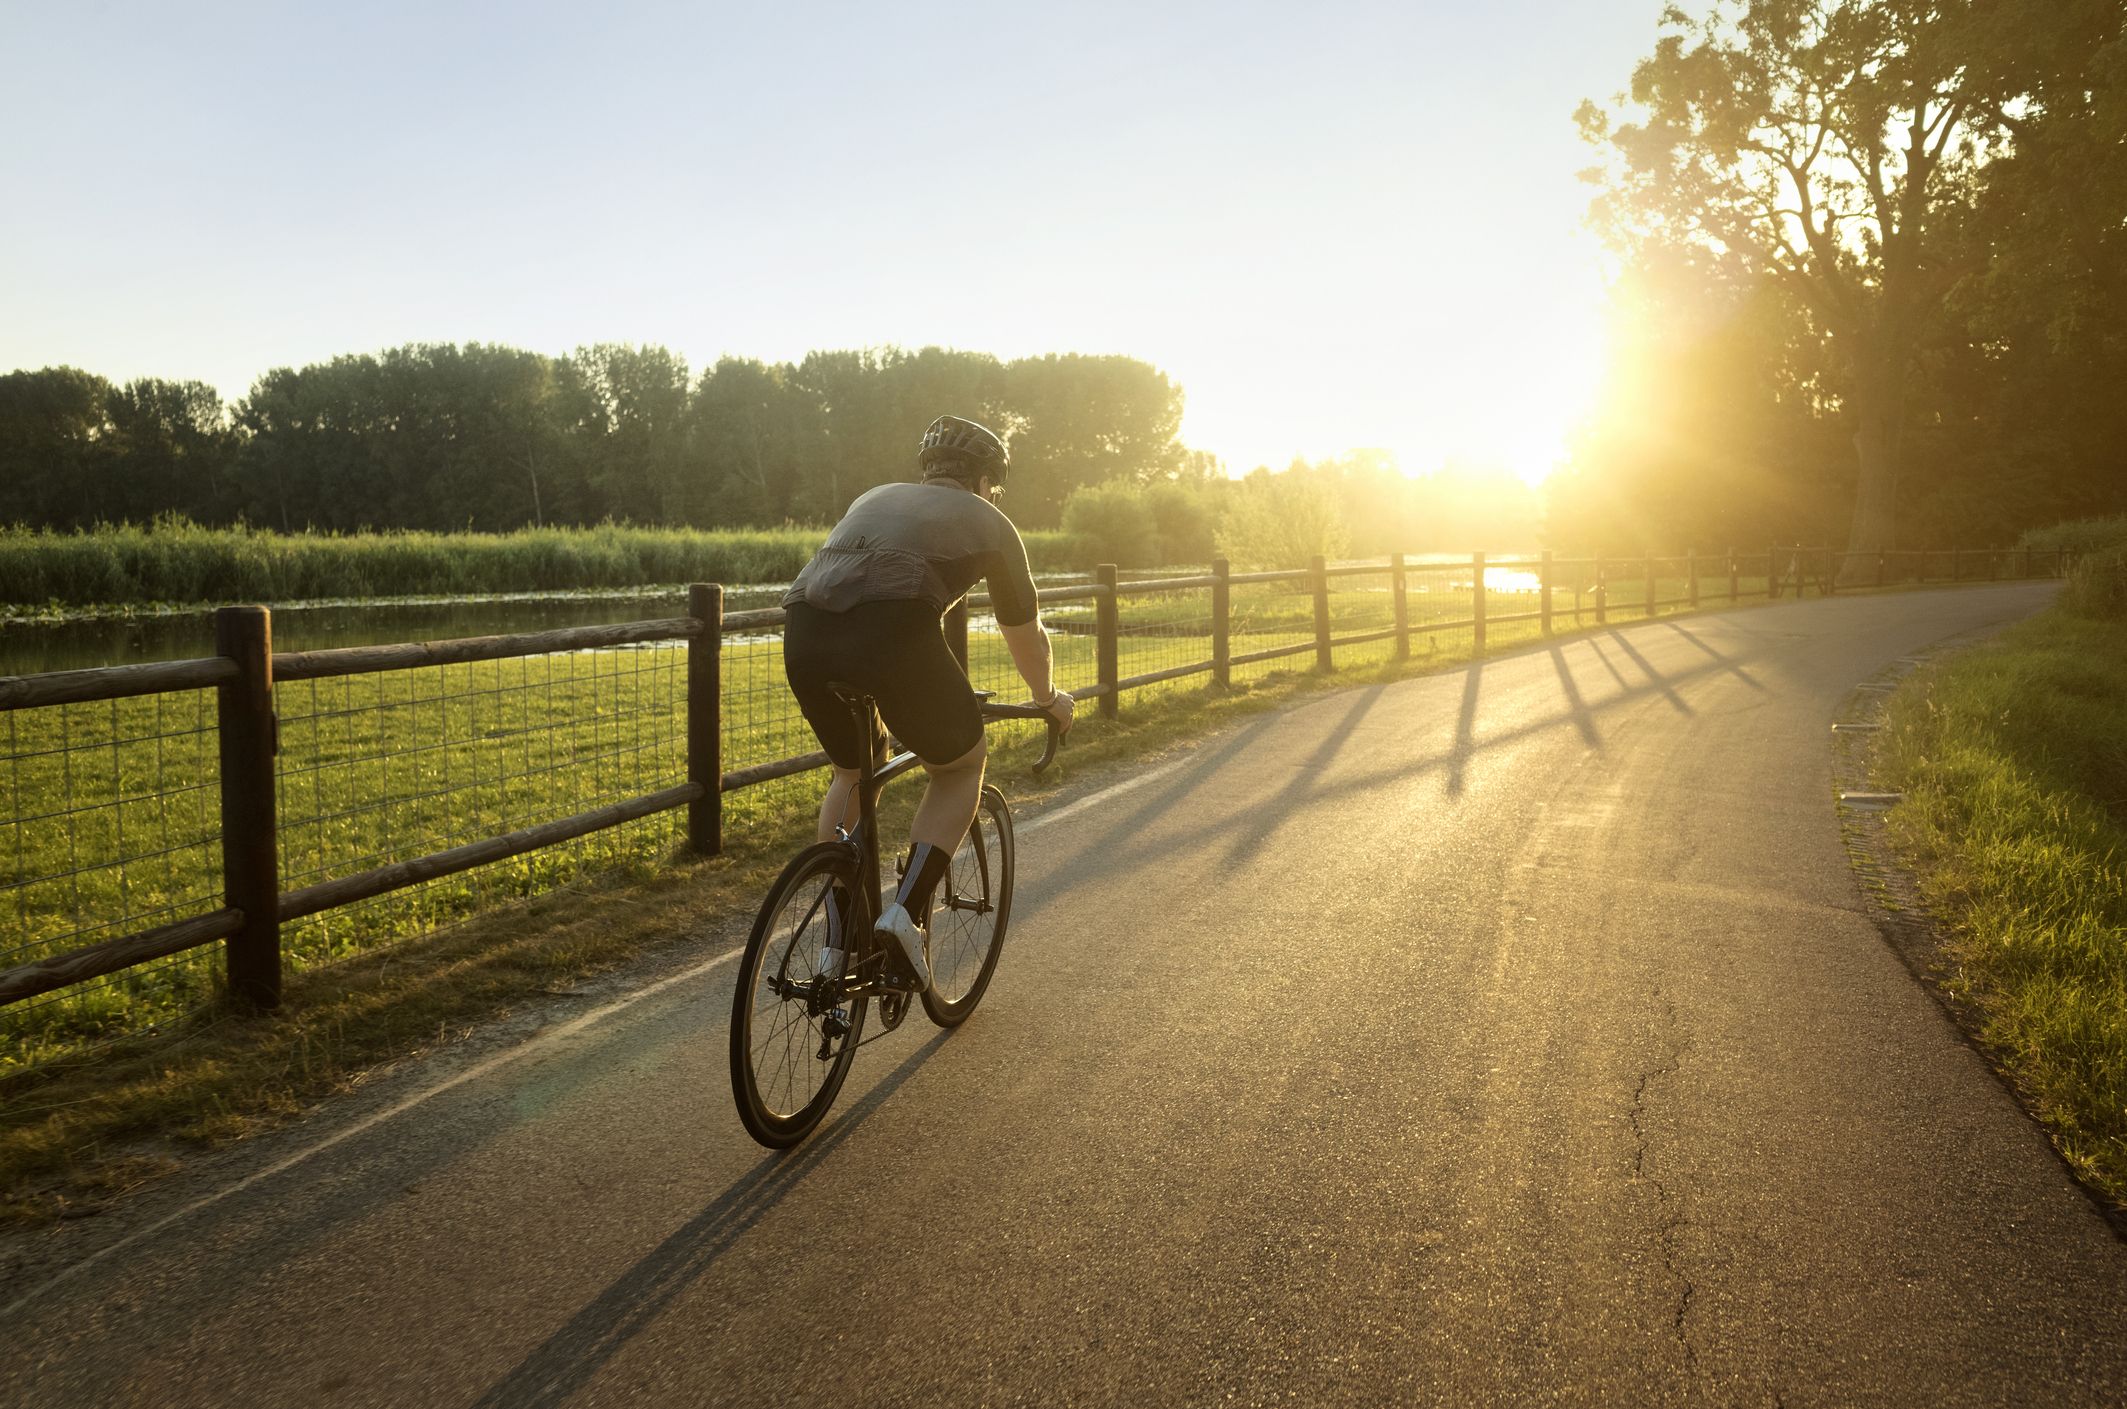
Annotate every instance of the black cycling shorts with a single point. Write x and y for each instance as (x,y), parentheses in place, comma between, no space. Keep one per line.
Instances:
(894,652)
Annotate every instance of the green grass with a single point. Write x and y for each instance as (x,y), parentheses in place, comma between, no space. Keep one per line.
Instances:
(172,562)
(2013,759)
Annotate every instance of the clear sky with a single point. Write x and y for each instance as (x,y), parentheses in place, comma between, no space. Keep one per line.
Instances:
(1335,224)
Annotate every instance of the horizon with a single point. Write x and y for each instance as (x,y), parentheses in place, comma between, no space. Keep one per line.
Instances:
(1272,209)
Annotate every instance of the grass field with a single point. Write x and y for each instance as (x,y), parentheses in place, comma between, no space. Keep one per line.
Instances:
(2013,760)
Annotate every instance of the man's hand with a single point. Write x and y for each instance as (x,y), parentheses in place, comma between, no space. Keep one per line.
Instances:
(1061,707)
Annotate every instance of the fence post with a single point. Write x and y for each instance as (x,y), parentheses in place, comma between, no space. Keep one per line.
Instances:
(1400,601)
(1602,593)
(1319,575)
(1772,573)
(1543,587)
(1733,584)
(251,868)
(1104,646)
(955,628)
(705,719)
(1650,586)
(1221,624)
(1477,605)
(1691,576)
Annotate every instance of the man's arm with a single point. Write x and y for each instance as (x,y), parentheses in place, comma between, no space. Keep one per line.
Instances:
(1029,645)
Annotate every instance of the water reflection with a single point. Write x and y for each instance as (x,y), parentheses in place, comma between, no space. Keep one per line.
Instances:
(30,646)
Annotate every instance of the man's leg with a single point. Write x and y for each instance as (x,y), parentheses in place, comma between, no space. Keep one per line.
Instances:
(839,809)
(942,819)
(948,806)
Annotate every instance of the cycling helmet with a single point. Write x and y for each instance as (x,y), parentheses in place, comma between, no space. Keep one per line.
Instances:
(968,443)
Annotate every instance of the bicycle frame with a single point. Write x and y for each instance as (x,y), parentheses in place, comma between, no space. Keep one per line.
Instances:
(870,783)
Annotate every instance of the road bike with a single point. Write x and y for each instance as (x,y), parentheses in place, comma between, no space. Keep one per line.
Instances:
(813,966)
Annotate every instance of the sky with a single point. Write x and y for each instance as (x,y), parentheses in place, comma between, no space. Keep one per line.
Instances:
(1335,225)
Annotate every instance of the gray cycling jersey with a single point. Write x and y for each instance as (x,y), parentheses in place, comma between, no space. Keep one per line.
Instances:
(919,542)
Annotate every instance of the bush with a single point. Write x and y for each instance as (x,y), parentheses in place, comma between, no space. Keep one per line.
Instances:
(1115,522)
(2097,586)
(2078,535)
(1052,550)
(1140,525)
(1280,522)
(1186,519)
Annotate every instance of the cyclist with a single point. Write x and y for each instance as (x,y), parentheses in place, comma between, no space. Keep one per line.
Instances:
(866,611)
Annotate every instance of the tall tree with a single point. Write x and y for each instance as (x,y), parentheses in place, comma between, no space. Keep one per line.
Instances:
(626,408)
(1079,420)
(54,430)
(750,430)
(175,449)
(1837,147)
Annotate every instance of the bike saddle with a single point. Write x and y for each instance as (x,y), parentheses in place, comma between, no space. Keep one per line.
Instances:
(981,695)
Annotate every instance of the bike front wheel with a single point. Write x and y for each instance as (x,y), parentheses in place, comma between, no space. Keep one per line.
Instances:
(968,922)
(793,1030)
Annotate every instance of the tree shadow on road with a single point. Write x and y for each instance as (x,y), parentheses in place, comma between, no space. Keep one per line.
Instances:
(572,1355)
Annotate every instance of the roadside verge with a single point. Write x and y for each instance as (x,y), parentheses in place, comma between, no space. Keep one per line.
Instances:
(2000,874)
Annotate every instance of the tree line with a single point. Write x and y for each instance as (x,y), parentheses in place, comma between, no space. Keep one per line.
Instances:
(1874,277)
(488,437)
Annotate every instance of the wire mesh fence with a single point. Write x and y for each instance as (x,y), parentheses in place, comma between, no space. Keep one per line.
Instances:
(111,820)
(110,825)
(1165,631)
(1443,607)
(383,768)
(1272,624)
(760,723)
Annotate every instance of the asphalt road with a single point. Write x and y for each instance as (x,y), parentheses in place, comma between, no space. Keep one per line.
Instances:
(1509,1036)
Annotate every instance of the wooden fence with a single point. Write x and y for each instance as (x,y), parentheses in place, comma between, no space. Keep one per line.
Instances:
(245,670)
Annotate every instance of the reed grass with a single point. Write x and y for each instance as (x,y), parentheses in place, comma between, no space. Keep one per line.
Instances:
(172,562)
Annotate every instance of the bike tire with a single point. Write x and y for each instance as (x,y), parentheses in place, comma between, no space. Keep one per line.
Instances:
(787,1061)
(974,908)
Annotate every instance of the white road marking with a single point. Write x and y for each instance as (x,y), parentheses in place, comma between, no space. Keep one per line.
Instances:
(1072,809)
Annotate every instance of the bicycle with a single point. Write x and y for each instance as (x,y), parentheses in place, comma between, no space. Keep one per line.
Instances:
(796,1028)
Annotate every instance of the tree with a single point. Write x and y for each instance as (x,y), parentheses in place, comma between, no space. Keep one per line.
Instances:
(1836,147)
(748,433)
(1079,420)
(174,450)
(626,409)
(54,433)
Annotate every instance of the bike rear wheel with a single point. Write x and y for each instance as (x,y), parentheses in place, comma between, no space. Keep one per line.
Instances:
(792,1033)
(968,922)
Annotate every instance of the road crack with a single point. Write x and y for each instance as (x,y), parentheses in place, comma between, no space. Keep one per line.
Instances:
(1672,1215)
